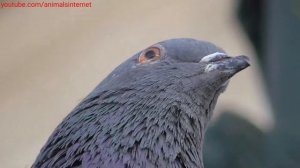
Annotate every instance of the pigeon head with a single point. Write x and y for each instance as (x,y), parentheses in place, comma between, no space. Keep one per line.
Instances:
(185,65)
(151,111)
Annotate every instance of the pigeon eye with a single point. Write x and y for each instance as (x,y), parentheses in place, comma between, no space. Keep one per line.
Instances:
(149,55)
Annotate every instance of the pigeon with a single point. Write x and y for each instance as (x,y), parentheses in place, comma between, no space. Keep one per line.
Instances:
(151,111)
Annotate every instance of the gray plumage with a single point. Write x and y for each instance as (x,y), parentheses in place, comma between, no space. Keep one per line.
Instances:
(151,114)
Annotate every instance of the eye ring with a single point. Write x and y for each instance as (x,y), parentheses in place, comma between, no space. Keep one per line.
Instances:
(149,55)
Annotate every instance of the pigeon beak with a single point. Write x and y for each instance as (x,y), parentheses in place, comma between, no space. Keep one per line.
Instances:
(222,62)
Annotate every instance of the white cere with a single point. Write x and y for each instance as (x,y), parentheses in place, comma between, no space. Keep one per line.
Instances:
(212,56)
(211,67)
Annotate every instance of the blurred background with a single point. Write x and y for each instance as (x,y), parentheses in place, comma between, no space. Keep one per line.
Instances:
(51,58)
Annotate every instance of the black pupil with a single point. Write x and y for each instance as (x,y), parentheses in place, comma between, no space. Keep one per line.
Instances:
(150,54)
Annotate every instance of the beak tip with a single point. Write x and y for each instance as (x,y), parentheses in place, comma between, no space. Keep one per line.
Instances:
(244,61)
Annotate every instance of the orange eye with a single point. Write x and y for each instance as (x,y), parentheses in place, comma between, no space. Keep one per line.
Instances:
(149,55)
